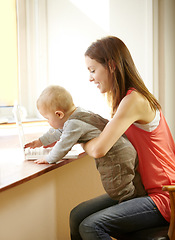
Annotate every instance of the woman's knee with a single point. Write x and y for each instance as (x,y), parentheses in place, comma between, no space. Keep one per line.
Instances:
(87,228)
(83,210)
(77,215)
(74,218)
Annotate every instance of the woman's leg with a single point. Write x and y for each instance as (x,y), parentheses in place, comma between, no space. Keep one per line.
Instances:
(85,209)
(120,219)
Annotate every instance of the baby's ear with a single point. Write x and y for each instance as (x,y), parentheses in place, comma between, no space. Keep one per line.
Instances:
(59,114)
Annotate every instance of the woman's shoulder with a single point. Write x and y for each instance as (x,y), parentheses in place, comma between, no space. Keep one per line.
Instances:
(135,98)
(130,107)
(141,106)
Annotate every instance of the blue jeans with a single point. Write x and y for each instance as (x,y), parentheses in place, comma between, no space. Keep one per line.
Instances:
(103,217)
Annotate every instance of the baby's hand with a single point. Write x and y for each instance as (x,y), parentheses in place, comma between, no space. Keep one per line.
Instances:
(33,144)
(41,161)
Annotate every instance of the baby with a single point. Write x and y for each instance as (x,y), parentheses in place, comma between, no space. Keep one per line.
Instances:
(71,125)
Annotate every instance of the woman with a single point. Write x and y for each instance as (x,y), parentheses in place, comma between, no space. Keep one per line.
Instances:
(137,113)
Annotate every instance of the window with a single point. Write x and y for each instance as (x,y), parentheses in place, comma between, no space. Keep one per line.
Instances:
(53,36)
(8,59)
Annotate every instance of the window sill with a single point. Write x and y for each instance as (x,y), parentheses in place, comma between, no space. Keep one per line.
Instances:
(15,174)
(14,170)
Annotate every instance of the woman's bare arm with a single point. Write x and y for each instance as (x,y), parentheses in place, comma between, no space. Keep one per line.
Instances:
(133,108)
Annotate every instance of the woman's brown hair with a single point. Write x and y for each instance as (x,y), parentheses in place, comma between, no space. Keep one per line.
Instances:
(112,53)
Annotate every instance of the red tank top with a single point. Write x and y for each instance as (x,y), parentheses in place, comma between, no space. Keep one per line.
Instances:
(156,152)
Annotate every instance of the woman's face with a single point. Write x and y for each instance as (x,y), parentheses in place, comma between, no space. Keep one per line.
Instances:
(98,74)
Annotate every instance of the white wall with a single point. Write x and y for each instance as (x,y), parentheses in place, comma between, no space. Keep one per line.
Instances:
(164,58)
(169,67)
(73,25)
(63,29)
(57,33)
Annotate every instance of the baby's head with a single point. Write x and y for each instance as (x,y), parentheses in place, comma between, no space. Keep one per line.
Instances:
(55,98)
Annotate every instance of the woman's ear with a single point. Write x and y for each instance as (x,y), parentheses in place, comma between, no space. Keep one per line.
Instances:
(112,66)
(59,114)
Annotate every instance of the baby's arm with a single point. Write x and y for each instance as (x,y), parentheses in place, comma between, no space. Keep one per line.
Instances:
(50,137)
(72,132)
(69,137)
(47,140)
(34,144)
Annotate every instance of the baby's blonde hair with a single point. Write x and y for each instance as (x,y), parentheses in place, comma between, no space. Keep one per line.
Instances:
(55,98)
